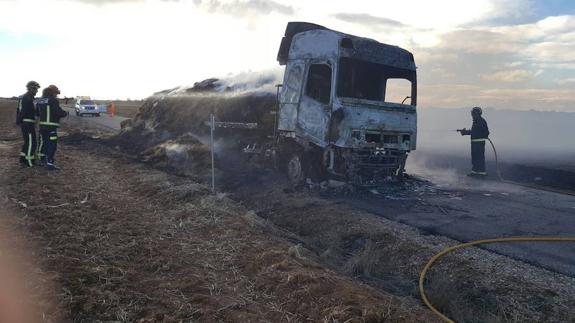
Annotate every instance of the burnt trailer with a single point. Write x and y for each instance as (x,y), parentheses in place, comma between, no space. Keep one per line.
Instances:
(347,106)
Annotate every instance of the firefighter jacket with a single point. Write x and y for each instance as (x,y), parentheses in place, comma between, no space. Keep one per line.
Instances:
(479,130)
(49,112)
(26,112)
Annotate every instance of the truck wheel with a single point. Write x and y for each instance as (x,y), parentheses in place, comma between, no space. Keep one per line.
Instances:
(295,169)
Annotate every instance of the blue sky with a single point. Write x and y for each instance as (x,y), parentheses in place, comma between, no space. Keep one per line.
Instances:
(533,11)
(514,54)
(11,42)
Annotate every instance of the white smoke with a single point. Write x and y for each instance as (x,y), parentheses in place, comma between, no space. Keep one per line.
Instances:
(263,81)
(253,82)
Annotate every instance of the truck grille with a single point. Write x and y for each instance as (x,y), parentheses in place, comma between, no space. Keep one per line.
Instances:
(370,166)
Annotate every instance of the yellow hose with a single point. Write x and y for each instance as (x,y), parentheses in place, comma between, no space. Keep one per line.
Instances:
(469,244)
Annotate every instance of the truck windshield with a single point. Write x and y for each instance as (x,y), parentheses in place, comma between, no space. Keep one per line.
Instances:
(87,102)
(375,82)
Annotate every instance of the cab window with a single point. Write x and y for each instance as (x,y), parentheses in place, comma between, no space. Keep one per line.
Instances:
(318,86)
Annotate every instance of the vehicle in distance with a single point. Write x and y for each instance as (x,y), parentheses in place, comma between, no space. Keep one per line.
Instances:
(85,105)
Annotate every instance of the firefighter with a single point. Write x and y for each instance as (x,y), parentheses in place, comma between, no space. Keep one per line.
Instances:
(479,135)
(26,119)
(49,112)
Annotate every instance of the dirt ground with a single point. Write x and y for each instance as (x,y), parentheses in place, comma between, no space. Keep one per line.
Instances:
(110,239)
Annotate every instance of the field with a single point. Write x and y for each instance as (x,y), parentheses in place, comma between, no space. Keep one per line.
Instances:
(127,108)
(117,237)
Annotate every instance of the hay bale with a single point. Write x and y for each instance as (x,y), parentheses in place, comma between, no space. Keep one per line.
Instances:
(175,121)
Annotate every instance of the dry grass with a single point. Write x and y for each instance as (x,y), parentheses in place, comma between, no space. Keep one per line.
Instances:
(130,243)
(469,286)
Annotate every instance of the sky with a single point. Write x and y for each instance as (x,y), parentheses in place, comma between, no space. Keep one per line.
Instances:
(515,54)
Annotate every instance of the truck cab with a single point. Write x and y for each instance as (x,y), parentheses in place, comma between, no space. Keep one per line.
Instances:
(347,106)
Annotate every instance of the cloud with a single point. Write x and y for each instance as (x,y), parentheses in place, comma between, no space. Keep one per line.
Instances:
(566,81)
(105,2)
(368,20)
(508,12)
(509,76)
(515,64)
(480,42)
(459,49)
(245,8)
(554,52)
(457,95)
(98,2)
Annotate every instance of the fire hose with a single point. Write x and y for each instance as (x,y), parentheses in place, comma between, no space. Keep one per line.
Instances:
(486,241)
(469,244)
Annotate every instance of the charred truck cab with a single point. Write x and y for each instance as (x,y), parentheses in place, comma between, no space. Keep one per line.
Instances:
(346,106)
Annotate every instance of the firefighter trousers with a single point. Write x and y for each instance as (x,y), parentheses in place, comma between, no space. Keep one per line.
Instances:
(478,157)
(48,144)
(29,146)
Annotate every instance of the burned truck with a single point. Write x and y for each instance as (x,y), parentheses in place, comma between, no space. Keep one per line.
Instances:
(346,108)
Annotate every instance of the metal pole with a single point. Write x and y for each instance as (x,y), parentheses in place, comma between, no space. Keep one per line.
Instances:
(277,111)
(212,128)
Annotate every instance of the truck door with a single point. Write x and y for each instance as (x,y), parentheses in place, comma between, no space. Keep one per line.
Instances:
(291,95)
(315,106)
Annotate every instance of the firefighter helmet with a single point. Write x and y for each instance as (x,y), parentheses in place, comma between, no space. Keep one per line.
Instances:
(53,89)
(32,84)
(476,110)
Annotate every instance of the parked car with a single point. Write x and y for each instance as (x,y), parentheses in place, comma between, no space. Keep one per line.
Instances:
(86,106)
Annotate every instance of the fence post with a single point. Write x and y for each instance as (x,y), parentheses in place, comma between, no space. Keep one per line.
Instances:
(212,128)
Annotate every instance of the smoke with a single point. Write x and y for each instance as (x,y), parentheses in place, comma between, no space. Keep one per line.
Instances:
(524,137)
(262,82)
(533,147)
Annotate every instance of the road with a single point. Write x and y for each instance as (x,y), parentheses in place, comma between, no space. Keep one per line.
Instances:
(467,210)
(104,121)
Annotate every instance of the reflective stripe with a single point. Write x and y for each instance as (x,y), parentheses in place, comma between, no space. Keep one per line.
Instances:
(479,140)
(29,156)
(53,138)
(478,173)
(47,113)
(28,120)
(20,105)
(22,154)
(40,146)
(49,124)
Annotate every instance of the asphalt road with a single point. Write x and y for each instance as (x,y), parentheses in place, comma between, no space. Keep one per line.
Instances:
(468,210)
(104,121)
